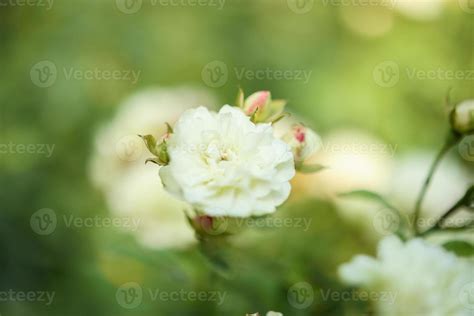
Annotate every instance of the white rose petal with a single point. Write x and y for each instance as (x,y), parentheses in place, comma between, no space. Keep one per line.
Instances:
(416,278)
(225,165)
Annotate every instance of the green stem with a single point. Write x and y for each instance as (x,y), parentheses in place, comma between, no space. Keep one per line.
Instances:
(464,201)
(452,140)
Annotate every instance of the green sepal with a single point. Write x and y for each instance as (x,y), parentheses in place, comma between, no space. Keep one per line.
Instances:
(150,143)
(239,102)
(159,150)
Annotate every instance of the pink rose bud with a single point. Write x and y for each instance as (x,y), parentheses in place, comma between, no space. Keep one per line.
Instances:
(303,141)
(257,101)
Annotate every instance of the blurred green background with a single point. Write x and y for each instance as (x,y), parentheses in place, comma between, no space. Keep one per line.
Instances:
(345,47)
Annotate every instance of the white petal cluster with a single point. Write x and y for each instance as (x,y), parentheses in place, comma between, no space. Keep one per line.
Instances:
(424,278)
(225,165)
(131,188)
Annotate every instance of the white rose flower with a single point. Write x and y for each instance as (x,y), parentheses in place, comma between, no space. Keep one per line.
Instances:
(225,165)
(131,189)
(423,279)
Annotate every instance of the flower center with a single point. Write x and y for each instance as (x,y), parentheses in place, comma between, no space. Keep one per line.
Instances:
(217,152)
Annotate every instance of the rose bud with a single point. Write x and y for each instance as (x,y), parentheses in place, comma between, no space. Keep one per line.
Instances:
(303,141)
(257,101)
(462,117)
(260,106)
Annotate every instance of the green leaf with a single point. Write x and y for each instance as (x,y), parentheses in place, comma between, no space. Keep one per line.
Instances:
(310,168)
(460,248)
(370,196)
(379,199)
(150,143)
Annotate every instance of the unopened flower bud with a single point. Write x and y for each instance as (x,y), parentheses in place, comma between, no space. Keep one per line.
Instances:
(257,101)
(262,108)
(462,117)
(303,141)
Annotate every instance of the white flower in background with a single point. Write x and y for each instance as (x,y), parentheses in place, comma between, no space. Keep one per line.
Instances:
(355,160)
(424,279)
(225,165)
(131,188)
(271,313)
(448,185)
(420,10)
(462,117)
(303,141)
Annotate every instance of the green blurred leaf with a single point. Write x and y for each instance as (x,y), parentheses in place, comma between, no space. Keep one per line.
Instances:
(311,168)
(370,195)
(460,248)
